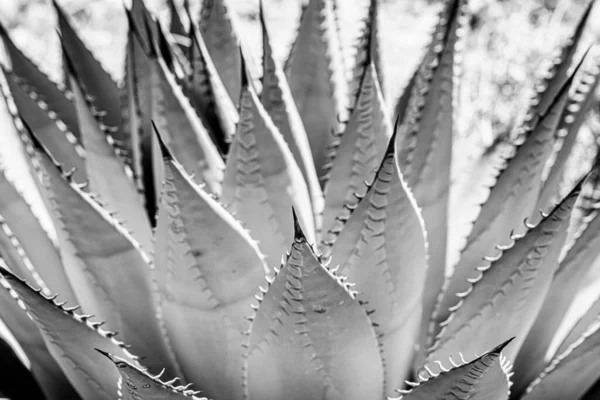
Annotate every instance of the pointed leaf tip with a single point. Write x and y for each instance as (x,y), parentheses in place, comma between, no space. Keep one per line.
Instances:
(498,349)
(166,154)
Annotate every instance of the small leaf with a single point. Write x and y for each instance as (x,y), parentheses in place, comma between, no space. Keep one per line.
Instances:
(310,326)
(277,99)
(63,145)
(571,373)
(504,296)
(218,28)
(315,75)
(46,371)
(382,248)
(108,176)
(425,136)
(140,385)
(204,286)
(262,181)
(357,155)
(109,272)
(71,339)
(485,378)
(208,95)
(97,82)
(37,82)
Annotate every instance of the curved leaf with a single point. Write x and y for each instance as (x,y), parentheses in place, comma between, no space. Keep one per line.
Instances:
(315,75)
(204,287)
(357,154)
(277,99)
(108,270)
(54,96)
(17,381)
(424,140)
(98,84)
(510,201)
(580,326)
(46,371)
(571,373)
(109,178)
(140,385)
(71,339)
(208,95)
(309,326)
(262,181)
(217,26)
(506,294)
(382,248)
(59,141)
(30,242)
(485,378)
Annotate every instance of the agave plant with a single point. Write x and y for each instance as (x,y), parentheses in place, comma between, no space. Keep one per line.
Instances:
(277,234)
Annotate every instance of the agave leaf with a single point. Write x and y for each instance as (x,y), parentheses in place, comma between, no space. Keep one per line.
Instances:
(30,241)
(37,82)
(205,288)
(567,281)
(382,248)
(367,51)
(208,95)
(278,102)
(424,141)
(62,143)
(580,326)
(43,366)
(315,75)
(141,21)
(485,378)
(510,201)
(557,75)
(505,295)
(17,380)
(573,117)
(356,157)
(310,326)
(218,28)
(98,84)
(262,181)
(176,27)
(140,385)
(71,339)
(108,176)
(570,373)
(109,271)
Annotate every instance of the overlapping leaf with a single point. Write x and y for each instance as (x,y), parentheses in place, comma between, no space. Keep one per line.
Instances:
(206,270)
(310,338)
(262,181)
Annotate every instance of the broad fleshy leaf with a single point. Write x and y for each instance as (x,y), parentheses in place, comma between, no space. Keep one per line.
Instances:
(98,84)
(53,95)
(71,339)
(17,381)
(30,243)
(485,378)
(218,28)
(310,338)
(357,153)
(580,326)
(315,75)
(382,248)
(208,95)
(206,270)
(137,384)
(571,373)
(507,291)
(63,145)
(424,141)
(510,201)
(108,271)
(277,99)
(109,177)
(262,181)
(43,366)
